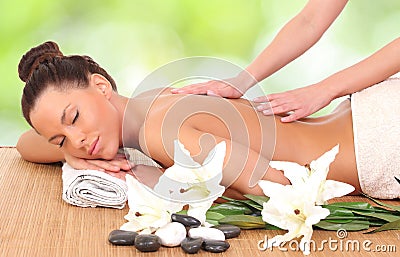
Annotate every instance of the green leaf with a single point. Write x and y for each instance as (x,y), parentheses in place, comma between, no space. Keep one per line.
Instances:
(183,212)
(249,203)
(340,219)
(350,205)
(339,215)
(271,227)
(244,221)
(376,223)
(253,205)
(355,225)
(385,210)
(213,222)
(338,211)
(230,208)
(393,207)
(210,215)
(394,225)
(258,199)
(228,199)
(383,216)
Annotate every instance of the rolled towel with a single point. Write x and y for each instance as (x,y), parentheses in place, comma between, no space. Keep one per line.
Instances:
(92,188)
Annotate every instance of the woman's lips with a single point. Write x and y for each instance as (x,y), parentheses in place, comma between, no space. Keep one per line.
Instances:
(94,148)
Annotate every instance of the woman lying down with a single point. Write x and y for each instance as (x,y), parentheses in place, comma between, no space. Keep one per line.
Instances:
(77,115)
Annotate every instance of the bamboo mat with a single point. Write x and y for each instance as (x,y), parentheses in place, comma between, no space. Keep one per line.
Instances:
(35,221)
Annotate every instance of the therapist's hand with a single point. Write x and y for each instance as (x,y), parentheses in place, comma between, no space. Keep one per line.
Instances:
(298,103)
(115,165)
(213,88)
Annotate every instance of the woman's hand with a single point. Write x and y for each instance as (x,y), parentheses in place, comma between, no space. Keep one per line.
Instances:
(299,102)
(212,88)
(115,165)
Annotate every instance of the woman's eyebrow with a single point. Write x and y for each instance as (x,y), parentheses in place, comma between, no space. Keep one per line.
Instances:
(63,115)
(62,122)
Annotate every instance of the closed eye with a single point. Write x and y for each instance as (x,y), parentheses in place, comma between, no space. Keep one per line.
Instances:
(62,142)
(76,117)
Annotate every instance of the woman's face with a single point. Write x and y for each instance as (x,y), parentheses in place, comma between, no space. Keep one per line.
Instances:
(83,122)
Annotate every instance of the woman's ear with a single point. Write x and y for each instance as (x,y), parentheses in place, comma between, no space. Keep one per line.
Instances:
(100,83)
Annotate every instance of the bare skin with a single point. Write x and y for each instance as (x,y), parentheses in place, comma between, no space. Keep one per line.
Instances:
(153,121)
(301,141)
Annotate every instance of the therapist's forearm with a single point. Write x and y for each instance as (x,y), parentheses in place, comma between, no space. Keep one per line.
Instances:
(374,69)
(296,37)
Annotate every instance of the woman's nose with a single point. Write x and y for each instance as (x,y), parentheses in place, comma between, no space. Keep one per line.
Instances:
(76,137)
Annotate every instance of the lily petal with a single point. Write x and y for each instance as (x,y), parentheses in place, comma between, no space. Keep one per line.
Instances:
(270,189)
(198,210)
(334,189)
(147,210)
(295,172)
(187,181)
(305,242)
(315,214)
(214,162)
(182,156)
(321,164)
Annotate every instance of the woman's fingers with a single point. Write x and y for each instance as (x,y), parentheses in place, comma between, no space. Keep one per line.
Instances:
(80,164)
(276,106)
(85,165)
(212,88)
(114,165)
(104,165)
(298,114)
(196,89)
(261,99)
(297,103)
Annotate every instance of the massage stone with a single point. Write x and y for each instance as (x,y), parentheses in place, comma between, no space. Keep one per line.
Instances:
(147,242)
(172,234)
(230,231)
(186,220)
(207,233)
(215,246)
(122,237)
(191,245)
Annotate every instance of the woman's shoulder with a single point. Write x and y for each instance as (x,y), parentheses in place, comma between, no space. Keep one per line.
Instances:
(155,92)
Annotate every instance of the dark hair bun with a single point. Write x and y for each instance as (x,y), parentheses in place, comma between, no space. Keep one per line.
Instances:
(33,58)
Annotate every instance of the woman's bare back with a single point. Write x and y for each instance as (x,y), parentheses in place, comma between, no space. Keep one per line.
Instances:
(171,116)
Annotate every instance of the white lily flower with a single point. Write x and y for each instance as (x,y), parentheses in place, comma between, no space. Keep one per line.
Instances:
(147,211)
(314,176)
(293,209)
(190,183)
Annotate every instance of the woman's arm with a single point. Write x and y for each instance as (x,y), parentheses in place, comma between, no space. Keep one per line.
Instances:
(374,69)
(34,148)
(307,100)
(296,37)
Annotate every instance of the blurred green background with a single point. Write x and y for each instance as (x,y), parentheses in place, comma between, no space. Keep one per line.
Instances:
(131,38)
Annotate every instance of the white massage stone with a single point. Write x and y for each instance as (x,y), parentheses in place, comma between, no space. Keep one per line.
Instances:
(207,233)
(172,234)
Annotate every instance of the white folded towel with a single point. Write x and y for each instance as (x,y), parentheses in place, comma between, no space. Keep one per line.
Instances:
(376,131)
(92,188)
